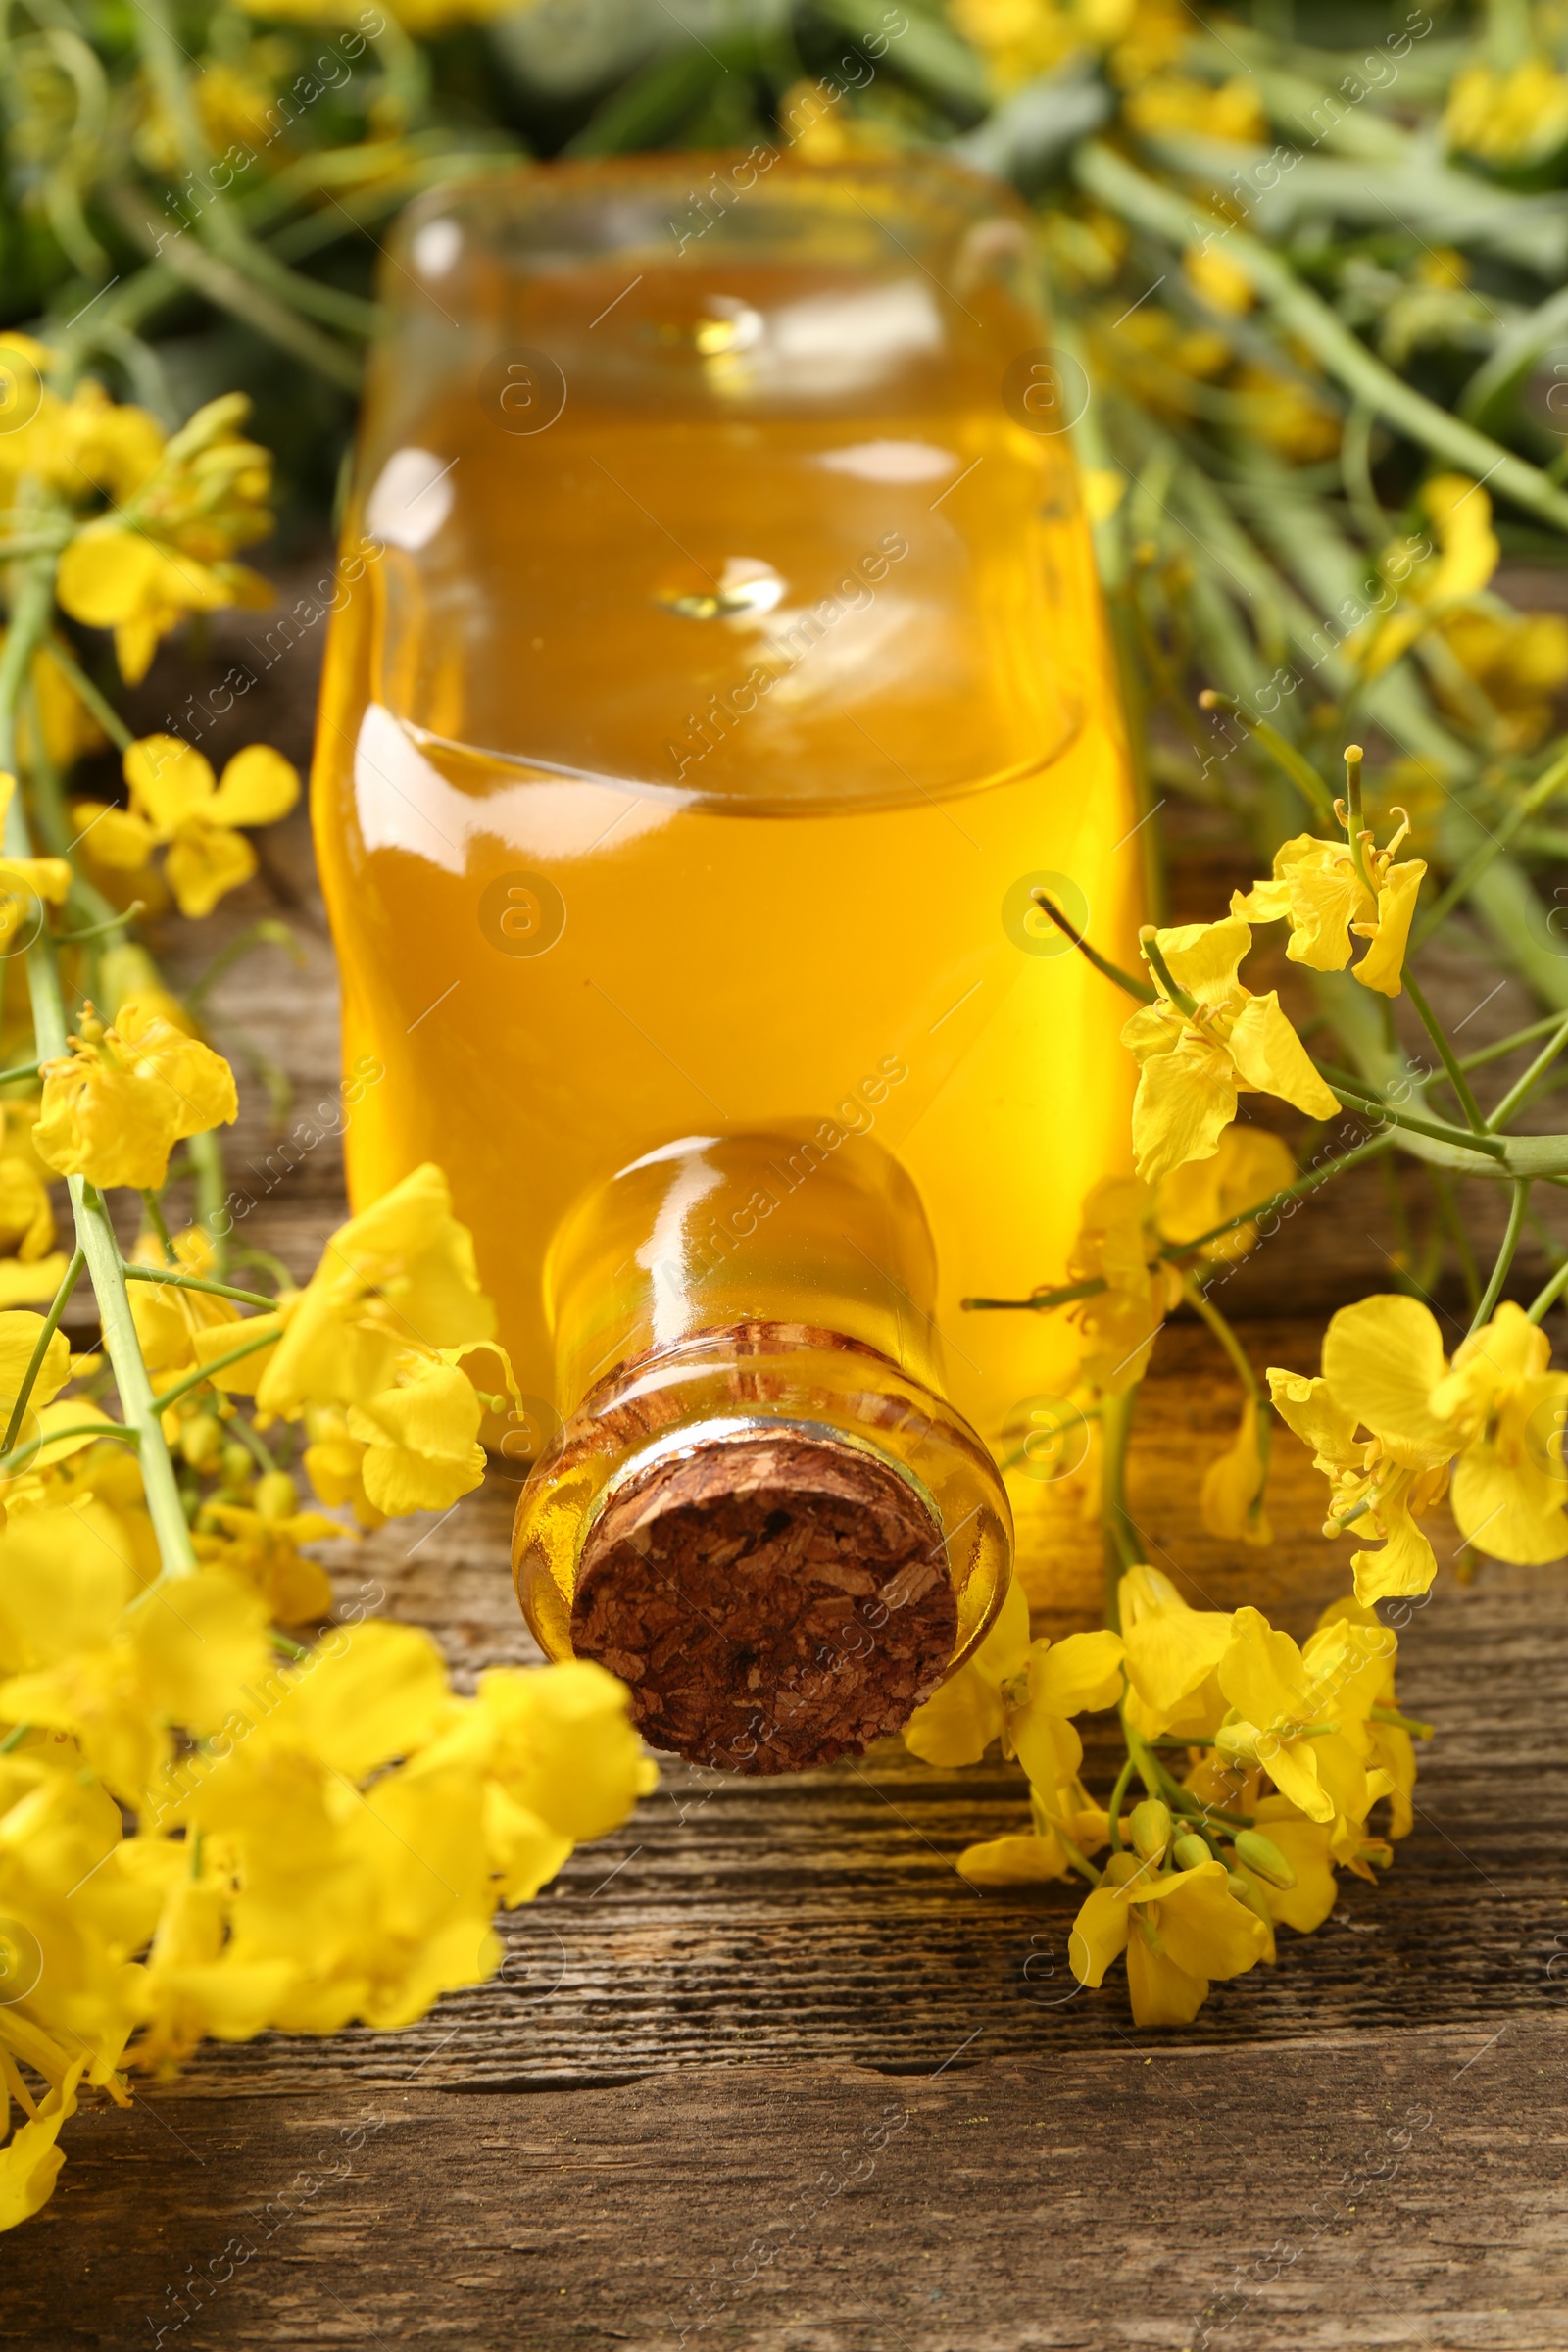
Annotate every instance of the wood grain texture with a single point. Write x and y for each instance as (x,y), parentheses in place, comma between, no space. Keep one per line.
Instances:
(1380,2189)
(660,2126)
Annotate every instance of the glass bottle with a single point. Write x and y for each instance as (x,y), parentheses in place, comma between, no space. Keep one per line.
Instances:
(718,671)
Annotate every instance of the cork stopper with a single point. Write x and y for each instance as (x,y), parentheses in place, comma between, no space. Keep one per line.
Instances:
(773,1601)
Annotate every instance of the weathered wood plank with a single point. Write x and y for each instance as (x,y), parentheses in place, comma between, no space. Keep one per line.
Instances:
(1379,2190)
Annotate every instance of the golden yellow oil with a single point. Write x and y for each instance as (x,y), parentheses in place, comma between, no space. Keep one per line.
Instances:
(716,685)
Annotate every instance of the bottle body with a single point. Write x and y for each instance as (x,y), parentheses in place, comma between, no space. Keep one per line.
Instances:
(723,672)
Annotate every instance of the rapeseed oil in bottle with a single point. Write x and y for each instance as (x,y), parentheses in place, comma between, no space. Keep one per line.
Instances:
(718,671)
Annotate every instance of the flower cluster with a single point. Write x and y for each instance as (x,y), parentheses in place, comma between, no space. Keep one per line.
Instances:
(149,524)
(206,1827)
(199,1839)
(1261,1764)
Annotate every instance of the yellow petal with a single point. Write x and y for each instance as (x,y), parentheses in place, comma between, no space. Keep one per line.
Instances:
(1305,1846)
(1250,1166)
(113,837)
(1098,1934)
(107,1125)
(106,576)
(170,781)
(20,1334)
(1310,1409)
(1381,1359)
(1232,1494)
(1186,1099)
(30,2165)
(1171,1648)
(1204,1930)
(1293,1768)
(1075,1676)
(1270,1057)
(1327,896)
(1018,1861)
(1384,961)
(1203,957)
(959,1721)
(201,1080)
(1406,1563)
(1161,1993)
(1509,1509)
(1261,1674)
(204,865)
(257,787)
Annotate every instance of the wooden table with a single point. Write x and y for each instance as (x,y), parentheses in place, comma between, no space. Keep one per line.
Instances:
(761,2071)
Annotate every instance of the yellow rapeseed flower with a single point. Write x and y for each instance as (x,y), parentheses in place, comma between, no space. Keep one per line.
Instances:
(1195,1058)
(1174,104)
(1440,583)
(1498,1408)
(164,549)
(379,1333)
(1302,1716)
(1116,1245)
(115,1109)
(175,801)
(1328,896)
(1180,1930)
(1248,1167)
(24,881)
(1172,1654)
(1511,116)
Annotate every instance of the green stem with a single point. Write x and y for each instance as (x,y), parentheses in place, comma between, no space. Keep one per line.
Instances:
(159,1224)
(1291,1191)
(1504,1046)
(194,1282)
(1102,963)
(1175,993)
(1356,1098)
(1041,1302)
(1175,219)
(113,922)
(1284,756)
(1222,1331)
(259,1453)
(1446,1054)
(1510,1242)
(31,609)
(10,1463)
(1116,1796)
(1544,1300)
(1119,1534)
(1404,1722)
(211,1196)
(51,1324)
(1542,1062)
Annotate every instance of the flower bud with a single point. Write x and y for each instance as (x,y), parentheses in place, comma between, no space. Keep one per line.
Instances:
(1190,1850)
(1237,1742)
(276,1497)
(1151,1829)
(236,1464)
(1263,1855)
(199,1439)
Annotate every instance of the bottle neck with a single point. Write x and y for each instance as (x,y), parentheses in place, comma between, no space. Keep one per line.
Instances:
(761,1511)
(815,1228)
